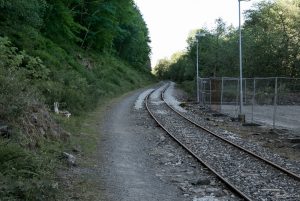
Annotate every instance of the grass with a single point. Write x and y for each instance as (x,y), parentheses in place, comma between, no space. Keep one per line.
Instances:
(26,175)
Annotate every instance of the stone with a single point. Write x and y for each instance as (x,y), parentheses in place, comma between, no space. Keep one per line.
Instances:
(76,150)
(170,155)
(42,131)
(71,160)
(198,190)
(201,181)
(4,131)
(206,198)
(296,146)
(211,190)
(162,138)
(34,119)
(294,140)
(219,194)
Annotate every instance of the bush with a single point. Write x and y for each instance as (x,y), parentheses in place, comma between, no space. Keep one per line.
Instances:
(15,90)
(24,175)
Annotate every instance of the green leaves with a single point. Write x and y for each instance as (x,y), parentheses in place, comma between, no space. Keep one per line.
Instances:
(30,12)
(270,45)
(13,60)
(274,27)
(23,176)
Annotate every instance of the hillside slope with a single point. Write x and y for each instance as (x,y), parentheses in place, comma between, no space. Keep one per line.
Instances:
(75,53)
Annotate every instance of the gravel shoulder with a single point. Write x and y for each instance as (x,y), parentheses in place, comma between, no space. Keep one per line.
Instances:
(126,170)
(281,145)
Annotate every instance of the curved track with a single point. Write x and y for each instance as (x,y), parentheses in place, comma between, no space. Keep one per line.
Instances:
(249,175)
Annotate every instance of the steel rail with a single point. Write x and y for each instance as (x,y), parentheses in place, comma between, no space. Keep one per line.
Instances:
(289,173)
(224,180)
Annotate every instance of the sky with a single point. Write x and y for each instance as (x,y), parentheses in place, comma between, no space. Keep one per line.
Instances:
(170,21)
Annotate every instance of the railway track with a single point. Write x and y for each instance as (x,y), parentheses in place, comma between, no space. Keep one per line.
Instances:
(246,173)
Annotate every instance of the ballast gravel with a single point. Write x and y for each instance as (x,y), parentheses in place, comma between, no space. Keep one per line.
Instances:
(253,177)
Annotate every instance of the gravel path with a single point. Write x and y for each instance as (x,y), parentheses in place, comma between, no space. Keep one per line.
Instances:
(126,170)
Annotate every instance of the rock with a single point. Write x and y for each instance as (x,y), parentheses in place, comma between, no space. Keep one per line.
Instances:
(76,150)
(234,119)
(162,138)
(206,198)
(170,155)
(34,118)
(219,194)
(198,190)
(201,181)
(211,190)
(294,140)
(183,186)
(218,115)
(70,158)
(250,124)
(296,146)
(281,145)
(4,131)
(178,163)
(42,131)
(64,135)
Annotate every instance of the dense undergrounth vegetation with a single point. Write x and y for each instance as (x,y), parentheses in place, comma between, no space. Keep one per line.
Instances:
(75,53)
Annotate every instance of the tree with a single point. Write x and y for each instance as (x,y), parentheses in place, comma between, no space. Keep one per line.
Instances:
(271,44)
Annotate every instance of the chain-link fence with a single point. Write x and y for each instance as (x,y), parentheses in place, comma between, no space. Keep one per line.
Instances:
(274,101)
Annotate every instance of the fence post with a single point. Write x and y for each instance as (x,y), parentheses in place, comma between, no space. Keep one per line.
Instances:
(210,92)
(237,93)
(245,91)
(253,100)
(275,102)
(204,92)
(200,90)
(222,85)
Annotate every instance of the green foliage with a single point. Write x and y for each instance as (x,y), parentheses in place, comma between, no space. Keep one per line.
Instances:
(75,52)
(132,40)
(270,46)
(30,12)
(24,175)
(15,90)
(275,29)
(189,87)
(179,68)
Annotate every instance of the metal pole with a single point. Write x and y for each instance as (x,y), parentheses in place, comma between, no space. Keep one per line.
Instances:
(222,85)
(275,103)
(241,67)
(245,91)
(197,73)
(204,93)
(210,92)
(253,99)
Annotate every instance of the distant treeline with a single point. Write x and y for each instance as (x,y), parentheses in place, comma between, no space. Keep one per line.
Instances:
(270,43)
